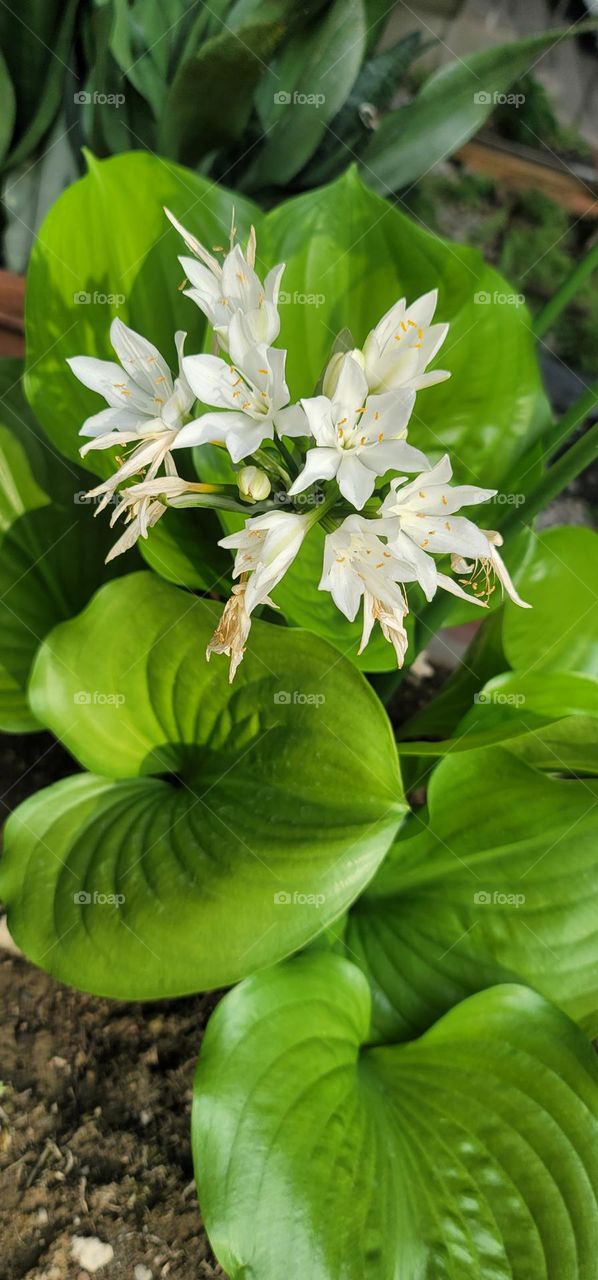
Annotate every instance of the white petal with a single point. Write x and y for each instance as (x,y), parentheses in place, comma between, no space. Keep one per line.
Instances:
(193,244)
(351,389)
(142,361)
(209,378)
(318,411)
(291,421)
(113,420)
(449,584)
(320,464)
(355,481)
(109,380)
(392,455)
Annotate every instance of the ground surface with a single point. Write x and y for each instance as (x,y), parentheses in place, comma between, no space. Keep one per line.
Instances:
(95,1132)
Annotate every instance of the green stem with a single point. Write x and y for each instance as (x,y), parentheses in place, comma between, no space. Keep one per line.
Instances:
(555,479)
(564,294)
(270,462)
(570,421)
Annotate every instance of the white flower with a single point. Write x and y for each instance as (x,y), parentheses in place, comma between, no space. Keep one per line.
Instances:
(265,548)
(418,520)
(142,507)
(224,290)
(403,343)
(358,436)
(481,574)
(252,400)
(357,565)
(140,391)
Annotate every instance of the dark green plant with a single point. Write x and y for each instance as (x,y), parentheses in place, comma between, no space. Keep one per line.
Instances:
(415,1093)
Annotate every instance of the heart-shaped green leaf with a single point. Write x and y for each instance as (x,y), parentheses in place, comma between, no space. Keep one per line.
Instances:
(560,632)
(281,795)
(106,249)
(471,1152)
(498,883)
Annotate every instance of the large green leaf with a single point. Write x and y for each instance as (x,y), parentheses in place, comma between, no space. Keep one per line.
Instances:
(36,45)
(44,575)
(50,564)
(498,882)
(106,249)
(350,256)
(452,105)
(306,87)
(512,709)
(472,1152)
(560,632)
(7,108)
(211,96)
(278,798)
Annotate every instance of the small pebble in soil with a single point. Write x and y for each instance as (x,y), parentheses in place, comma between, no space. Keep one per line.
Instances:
(91,1253)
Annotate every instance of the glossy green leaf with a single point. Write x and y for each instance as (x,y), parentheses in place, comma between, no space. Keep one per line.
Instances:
(7,108)
(210,99)
(106,249)
(512,709)
(274,801)
(452,105)
(469,1153)
(560,631)
(44,577)
(498,883)
(36,44)
(183,548)
(305,88)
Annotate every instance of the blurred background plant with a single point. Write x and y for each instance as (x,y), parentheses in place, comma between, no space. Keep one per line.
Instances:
(269,96)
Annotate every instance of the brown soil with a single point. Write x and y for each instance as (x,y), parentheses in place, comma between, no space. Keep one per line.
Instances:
(95,1105)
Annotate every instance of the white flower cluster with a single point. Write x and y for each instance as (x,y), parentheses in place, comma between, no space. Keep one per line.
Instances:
(330,452)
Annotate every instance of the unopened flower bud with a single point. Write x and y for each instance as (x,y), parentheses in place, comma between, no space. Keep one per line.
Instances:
(254,485)
(331,376)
